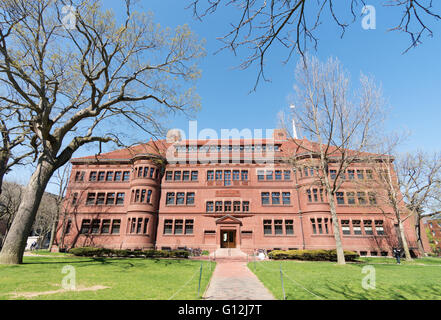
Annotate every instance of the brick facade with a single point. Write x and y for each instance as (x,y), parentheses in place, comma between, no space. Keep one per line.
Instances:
(164,195)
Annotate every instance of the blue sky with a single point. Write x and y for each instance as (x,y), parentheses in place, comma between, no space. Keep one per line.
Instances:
(411,82)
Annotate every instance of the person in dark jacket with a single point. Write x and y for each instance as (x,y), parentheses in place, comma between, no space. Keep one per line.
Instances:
(397,254)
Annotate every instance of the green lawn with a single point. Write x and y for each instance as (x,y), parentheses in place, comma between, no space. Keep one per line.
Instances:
(135,279)
(420,279)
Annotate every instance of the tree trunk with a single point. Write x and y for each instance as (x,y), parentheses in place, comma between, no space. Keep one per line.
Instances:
(404,240)
(418,234)
(335,225)
(15,243)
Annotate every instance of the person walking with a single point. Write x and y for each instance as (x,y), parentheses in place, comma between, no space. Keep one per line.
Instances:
(397,254)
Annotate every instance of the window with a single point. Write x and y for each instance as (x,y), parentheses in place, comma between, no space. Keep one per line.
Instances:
(90,199)
(120,198)
(372,198)
(319,224)
(360,174)
(137,196)
(146,172)
(227,206)
(210,175)
(267,227)
(179,226)
(333,174)
(260,175)
(244,175)
(315,193)
(101,176)
(269,175)
(140,171)
(116,225)
(236,206)
(236,175)
(139,225)
(219,206)
(345,227)
(68,226)
(96,226)
(218,175)
(85,226)
(169,176)
(189,226)
(305,171)
(143,193)
(326,225)
(170,198)
(287,174)
(368,227)
(275,197)
(356,226)
(186,176)
(109,176)
(118,175)
(227,178)
(278,175)
(126,176)
(146,223)
(308,192)
(278,227)
(152,173)
(190,198)
(79,176)
(180,198)
(110,200)
(351,174)
(369,174)
(361,197)
(314,226)
(92,176)
(245,206)
(265,198)
(289,227)
(149,196)
(351,197)
(340,197)
(177,176)
(74,198)
(210,206)
(311,172)
(168,226)
(379,227)
(105,228)
(194,176)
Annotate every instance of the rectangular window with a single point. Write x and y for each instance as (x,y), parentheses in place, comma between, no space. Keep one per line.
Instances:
(120,198)
(90,198)
(315,194)
(278,227)
(245,206)
(278,175)
(146,224)
(275,198)
(126,176)
(236,175)
(340,197)
(139,226)
(110,200)
(180,198)
(351,197)
(308,192)
(92,176)
(140,171)
(170,199)
(345,227)
(267,227)
(368,227)
(189,226)
(179,226)
(101,176)
(137,196)
(356,226)
(319,224)
(143,193)
(85,226)
(146,172)
(289,227)
(168,226)
(79,176)
(118,175)
(326,226)
(369,174)
(149,196)
(269,175)
(287,174)
(190,198)
(210,206)
(333,174)
(227,178)
(152,173)
(218,175)
(169,176)
(219,206)
(177,176)
(236,206)
(194,176)
(210,175)
(361,198)
(360,174)
(109,176)
(244,175)
(74,198)
(379,227)
(227,206)
(105,228)
(260,175)
(116,225)
(351,174)
(265,198)
(186,176)
(372,198)
(314,227)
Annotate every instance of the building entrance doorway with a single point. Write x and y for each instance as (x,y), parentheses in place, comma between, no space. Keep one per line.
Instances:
(228,239)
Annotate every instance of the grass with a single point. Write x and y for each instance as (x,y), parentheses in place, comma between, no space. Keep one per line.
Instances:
(133,279)
(417,280)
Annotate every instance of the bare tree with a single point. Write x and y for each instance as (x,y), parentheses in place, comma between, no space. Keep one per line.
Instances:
(82,77)
(10,200)
(293,24)
(340,127)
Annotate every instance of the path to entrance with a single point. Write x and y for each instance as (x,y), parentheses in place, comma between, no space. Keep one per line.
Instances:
(232,280)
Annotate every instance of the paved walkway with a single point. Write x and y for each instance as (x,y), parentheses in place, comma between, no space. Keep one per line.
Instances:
(232,280)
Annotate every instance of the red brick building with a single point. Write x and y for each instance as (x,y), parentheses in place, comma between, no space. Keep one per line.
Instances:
(433,224)
(214,194)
